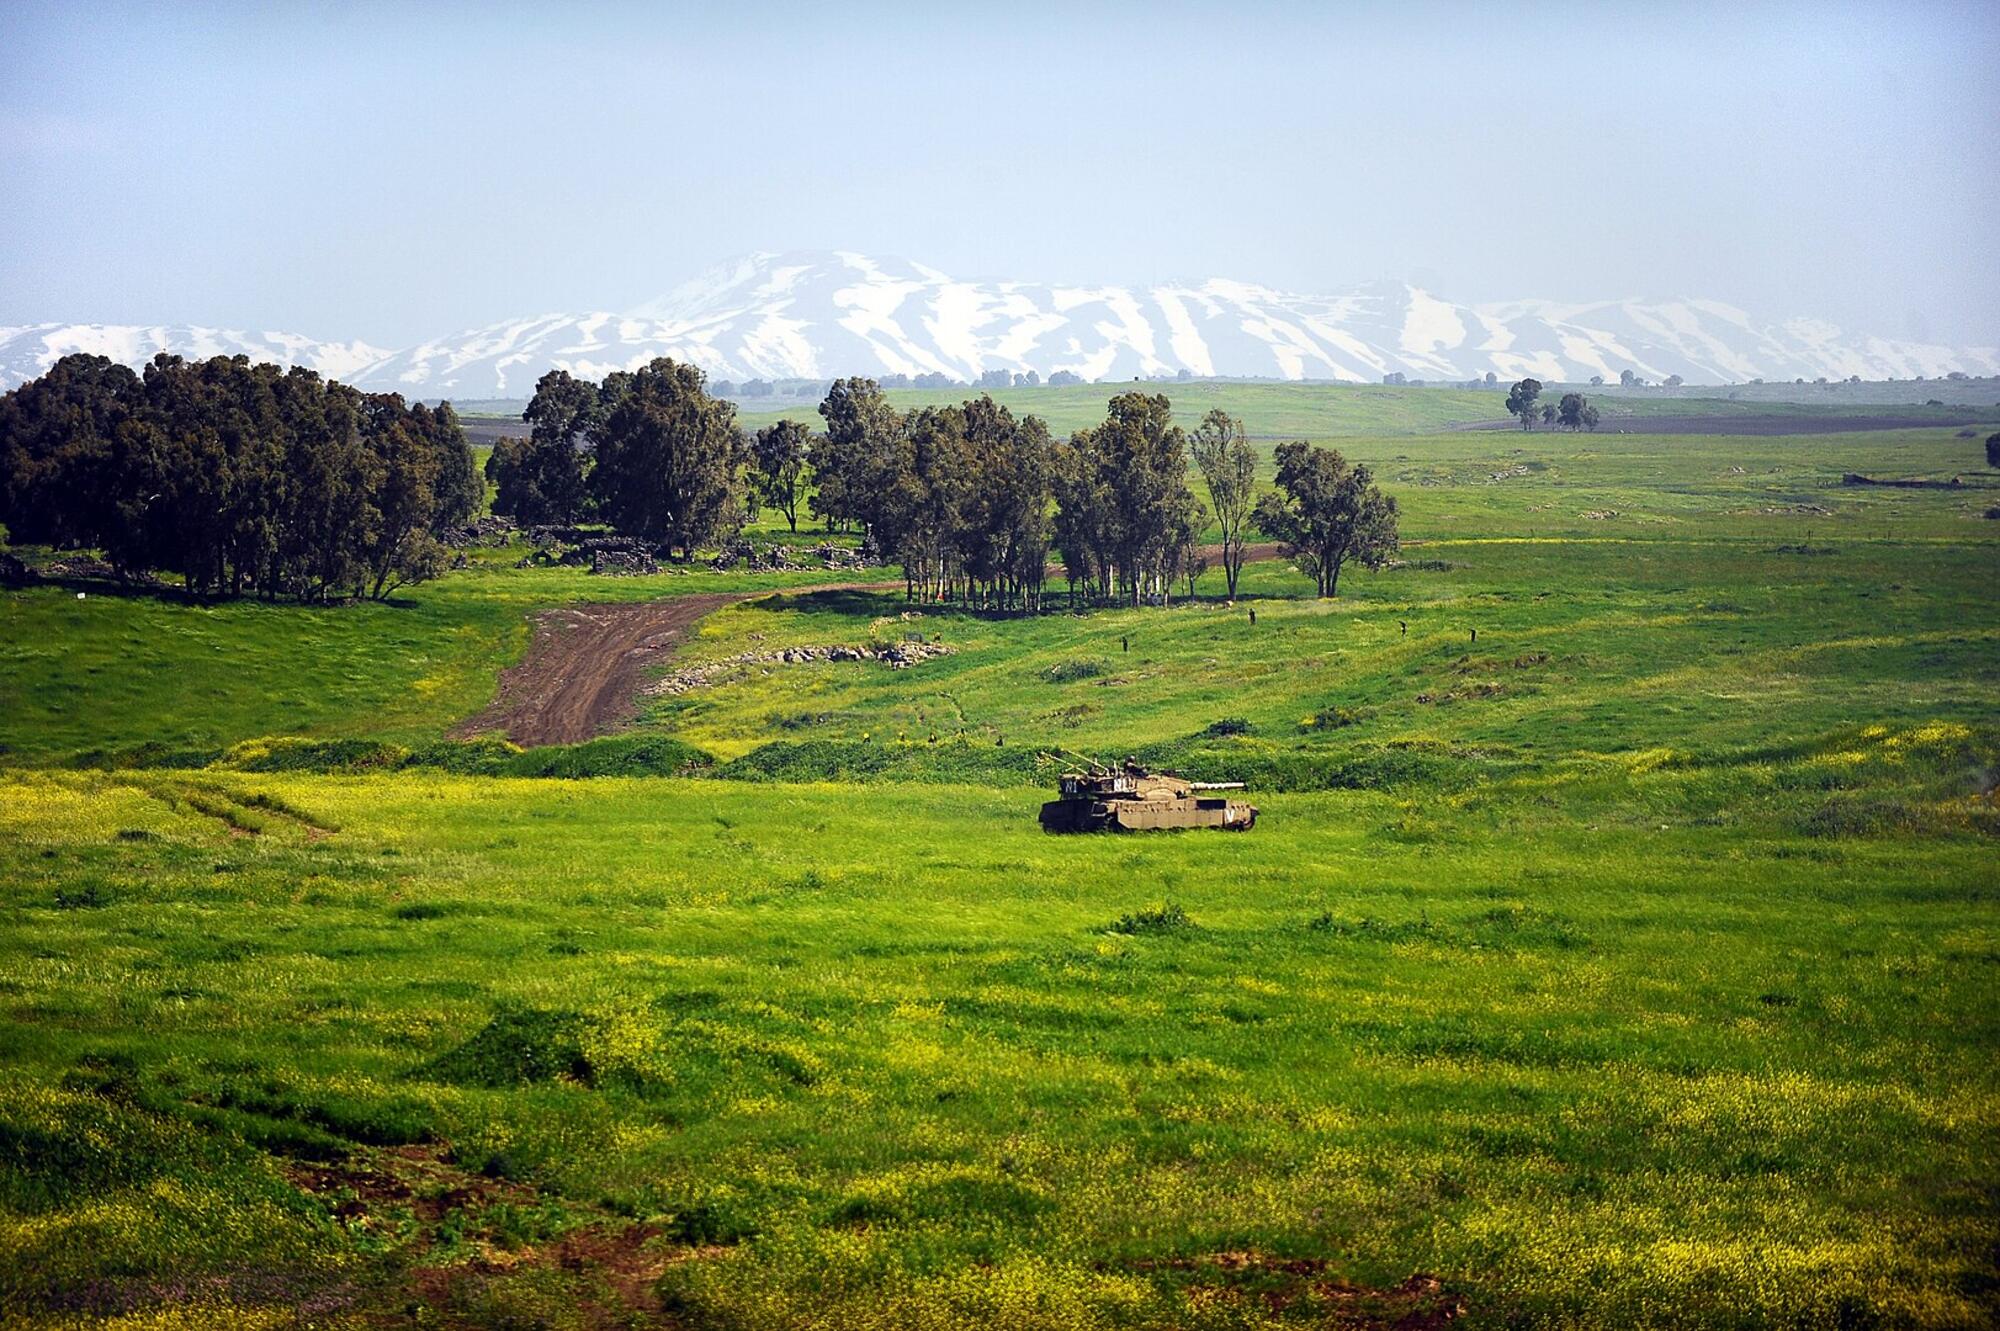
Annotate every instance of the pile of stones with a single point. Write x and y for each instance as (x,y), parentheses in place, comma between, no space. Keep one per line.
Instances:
(87,567)
(622,562)
(489,530)
(838,556)
(895,655)
(741,554)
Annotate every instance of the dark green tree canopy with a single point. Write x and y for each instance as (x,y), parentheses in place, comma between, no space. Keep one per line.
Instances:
(668,458)
(237,477)
(1326,513)
(1521,399)
(542,479)
(860,425)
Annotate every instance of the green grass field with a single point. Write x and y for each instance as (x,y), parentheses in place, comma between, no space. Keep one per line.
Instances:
(1326,411)
(1634,965)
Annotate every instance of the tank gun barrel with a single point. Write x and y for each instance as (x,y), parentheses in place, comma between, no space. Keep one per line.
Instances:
(1215,785)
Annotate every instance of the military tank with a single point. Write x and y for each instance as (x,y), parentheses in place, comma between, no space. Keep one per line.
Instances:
(1128,798)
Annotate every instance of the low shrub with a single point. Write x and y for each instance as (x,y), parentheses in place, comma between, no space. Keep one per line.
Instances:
(1369,929)
(1068,672)
(1167,919)
(615,755)
(518,1047)
(1333,718)
(954,761)
(421,910)
(292,754)
(87,896)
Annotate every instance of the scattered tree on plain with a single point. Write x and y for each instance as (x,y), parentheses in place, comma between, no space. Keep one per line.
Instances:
(1570,412)
(1326,513)
(1521,400)
(1228,465)
(1993,450)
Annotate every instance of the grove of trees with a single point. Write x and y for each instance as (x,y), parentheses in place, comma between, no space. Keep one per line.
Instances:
(669,459)
(1126,522)
(240,478)
(648,451)
(1573,412)
(247,478)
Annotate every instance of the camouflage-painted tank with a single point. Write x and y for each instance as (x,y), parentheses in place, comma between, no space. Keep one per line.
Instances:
(1128,798)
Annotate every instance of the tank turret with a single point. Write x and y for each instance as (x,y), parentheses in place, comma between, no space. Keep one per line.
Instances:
(1128,798)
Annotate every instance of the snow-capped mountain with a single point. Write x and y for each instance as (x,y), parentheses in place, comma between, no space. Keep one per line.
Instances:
(25,351)
(817,315)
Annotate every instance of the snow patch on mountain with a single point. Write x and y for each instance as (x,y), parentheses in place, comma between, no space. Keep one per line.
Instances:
(813,314)
(29,349)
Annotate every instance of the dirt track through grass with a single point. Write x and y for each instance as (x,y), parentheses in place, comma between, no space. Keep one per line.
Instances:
(583,672)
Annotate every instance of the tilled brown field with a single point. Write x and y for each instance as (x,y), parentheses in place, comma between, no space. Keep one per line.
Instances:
(1760,423)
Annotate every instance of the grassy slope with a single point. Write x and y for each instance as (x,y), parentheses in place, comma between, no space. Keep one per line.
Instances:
(1662,994)
(1692,513)
(1678,1063)
(112,673)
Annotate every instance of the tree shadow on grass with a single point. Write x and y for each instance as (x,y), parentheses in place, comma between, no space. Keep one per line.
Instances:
(168,593)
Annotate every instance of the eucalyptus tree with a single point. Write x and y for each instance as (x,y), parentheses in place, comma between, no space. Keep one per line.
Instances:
(1228,465)
(779,452)
(1326,513)
(669,458)
(860,427)
(1521,400)
(544,478)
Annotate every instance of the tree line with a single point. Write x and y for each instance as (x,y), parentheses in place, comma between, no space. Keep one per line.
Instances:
(246,478)
(241,478)
(969,499)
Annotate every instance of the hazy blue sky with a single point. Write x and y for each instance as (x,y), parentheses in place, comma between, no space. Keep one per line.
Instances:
(363,170)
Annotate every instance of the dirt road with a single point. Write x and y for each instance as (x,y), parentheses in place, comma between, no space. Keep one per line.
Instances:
(583,671)
(586,666)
